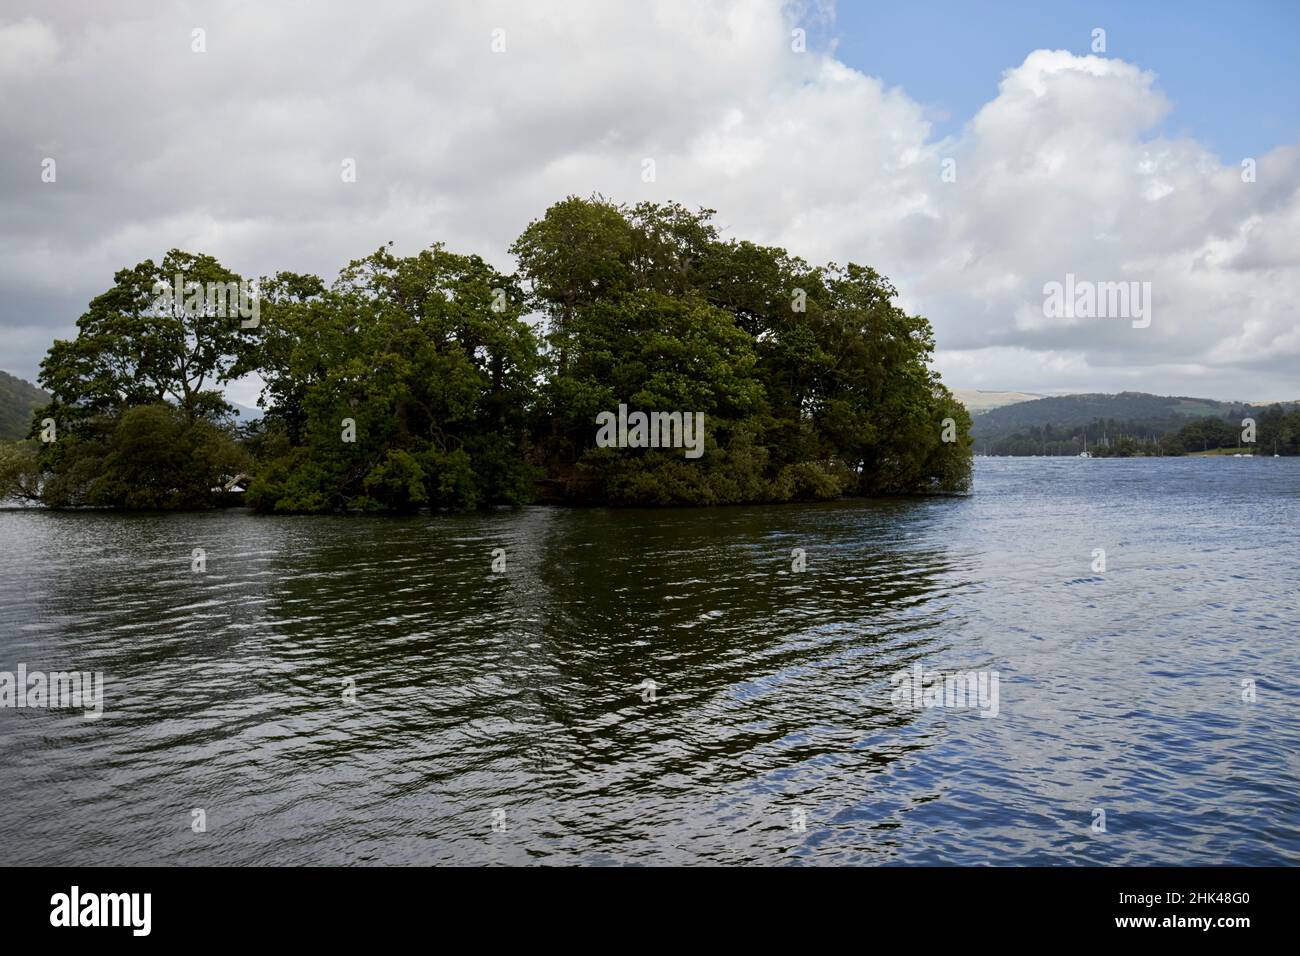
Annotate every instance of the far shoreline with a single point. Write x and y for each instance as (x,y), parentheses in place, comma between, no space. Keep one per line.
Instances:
(596,505)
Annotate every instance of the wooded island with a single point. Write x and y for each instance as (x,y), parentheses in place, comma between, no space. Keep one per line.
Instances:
(436,381)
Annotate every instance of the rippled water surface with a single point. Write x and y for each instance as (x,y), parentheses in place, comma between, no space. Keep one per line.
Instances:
(520,696)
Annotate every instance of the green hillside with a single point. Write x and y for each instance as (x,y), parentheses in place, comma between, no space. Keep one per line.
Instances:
(18,399)
(1132,423)
(1070,411)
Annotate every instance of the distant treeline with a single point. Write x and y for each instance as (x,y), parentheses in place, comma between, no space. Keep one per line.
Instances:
(420,381)
(1276,431)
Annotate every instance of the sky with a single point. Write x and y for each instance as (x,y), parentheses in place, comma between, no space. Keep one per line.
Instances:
(972,152)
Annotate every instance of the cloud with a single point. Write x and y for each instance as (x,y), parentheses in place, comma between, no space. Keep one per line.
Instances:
(237,151)
(27,48)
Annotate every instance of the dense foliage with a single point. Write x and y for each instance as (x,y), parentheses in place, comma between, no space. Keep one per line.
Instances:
(421,381)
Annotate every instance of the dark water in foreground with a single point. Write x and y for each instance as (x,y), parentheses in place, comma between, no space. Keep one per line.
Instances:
(523,692)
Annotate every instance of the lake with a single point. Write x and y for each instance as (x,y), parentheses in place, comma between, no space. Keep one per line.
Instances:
(642,687)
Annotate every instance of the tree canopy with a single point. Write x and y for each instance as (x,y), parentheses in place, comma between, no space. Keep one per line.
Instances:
(437,381)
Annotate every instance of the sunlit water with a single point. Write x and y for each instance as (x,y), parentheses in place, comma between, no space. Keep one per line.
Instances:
(520,698)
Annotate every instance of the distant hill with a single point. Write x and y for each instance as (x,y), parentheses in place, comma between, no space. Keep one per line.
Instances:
(18,399)
(1073,411)
(978,401)
(1130,423)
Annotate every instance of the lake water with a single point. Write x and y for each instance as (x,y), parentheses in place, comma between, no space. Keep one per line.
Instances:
(505,717)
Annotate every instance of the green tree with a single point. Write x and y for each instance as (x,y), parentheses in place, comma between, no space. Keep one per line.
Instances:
(136,347)
(140,420)
(20,473)
(419,382)
(428,358)
(837,393)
